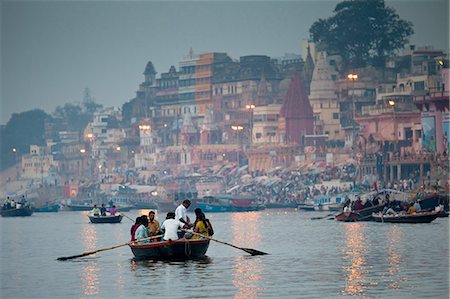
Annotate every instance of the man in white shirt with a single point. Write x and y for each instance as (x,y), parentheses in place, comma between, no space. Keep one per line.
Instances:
(181,212)
(170,227)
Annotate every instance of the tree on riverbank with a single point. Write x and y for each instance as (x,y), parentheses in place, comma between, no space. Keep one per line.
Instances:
(363,32)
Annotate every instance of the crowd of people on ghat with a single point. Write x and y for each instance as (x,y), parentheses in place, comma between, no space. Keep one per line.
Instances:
(177,225)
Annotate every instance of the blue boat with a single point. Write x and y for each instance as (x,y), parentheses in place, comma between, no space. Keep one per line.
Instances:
(213,204)
(47,209)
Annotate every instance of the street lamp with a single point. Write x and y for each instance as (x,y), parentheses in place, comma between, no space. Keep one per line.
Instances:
(392,104)
(251,107)
(353,78)
(238,129)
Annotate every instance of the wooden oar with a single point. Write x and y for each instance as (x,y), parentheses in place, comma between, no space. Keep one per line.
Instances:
(122,213)
(317,218)
(248,250)
(64,258)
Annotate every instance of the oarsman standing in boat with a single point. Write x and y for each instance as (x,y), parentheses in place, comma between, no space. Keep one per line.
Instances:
(153,224)
(181,213)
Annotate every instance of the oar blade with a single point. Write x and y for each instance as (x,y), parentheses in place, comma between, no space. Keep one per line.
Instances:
(65,258)
(254,251)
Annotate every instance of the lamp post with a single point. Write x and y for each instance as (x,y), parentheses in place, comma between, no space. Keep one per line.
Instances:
(251,107)
(14,150)
(238,130)
(392,104)
(353,78)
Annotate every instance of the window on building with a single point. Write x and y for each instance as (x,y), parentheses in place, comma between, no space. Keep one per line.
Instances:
(258,135)
(335,115)
(420,85)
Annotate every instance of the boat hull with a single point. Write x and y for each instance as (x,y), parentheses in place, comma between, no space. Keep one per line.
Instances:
(359,215)
(22,212)
(432,200)
(281,205)
(47,209)
(215,208)
(105,219)
(413,218)
(171,250)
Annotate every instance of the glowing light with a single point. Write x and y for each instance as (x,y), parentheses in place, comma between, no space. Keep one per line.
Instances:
(391,103)
(352,77)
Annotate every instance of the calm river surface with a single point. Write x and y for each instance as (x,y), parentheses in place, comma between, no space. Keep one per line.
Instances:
(308,259)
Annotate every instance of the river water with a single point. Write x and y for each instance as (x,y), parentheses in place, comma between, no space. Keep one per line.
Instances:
(308,259)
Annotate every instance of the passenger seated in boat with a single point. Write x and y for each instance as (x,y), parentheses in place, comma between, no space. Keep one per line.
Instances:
(103,210)
(367,204)
(376,201)
(13,204)
(412,209)
(201,226)
(347,209)
(199,211)
(358,205)
(112,210)
(95,211)
(134,227)
(142,230)
(417,206)
(170,227)
(153,224)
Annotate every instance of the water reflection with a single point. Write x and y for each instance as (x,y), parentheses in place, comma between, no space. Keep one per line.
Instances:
(247,270)
(394,239)
(89,275)
(354,254)
(245,228)
(247,276)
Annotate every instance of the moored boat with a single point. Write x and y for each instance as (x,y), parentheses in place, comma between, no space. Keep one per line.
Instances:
(105,219)
(183,249)
(20,212)
(359,215)
(430,201)
(426,217)
(306,207)
(47,209)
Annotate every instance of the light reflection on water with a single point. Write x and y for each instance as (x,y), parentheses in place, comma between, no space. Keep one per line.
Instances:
(89,274)
(354,255)
(394,258)
(246,270)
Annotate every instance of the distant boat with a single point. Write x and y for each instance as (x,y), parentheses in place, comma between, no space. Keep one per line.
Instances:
(227,203)
(430,201)
(306,207)
(183,249)
(89,207)
(47,209)
(328,203)
(282,205)
(359,215)
(20,212)
(106,219)
(406,218)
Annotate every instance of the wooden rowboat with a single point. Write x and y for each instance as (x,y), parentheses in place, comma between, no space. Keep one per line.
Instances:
(183,249)
(24,211)
(406,218)
(359,215)
(105,219)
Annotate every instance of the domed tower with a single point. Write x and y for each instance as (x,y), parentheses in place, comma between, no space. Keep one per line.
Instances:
(149,73)
(297,112)
(308,70)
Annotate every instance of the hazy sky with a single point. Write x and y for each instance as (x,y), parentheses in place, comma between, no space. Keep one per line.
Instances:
(51,51)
